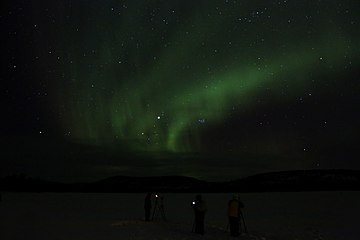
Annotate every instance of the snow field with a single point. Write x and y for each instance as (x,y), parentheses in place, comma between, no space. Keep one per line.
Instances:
(91,216)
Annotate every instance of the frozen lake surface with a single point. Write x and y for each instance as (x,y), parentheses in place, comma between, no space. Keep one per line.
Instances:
(70,216)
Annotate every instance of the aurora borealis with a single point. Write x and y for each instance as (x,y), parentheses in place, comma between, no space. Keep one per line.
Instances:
(232,77)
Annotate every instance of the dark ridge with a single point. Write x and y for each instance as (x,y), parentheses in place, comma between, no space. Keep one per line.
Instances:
(300,180)
(144,184)
(286,181)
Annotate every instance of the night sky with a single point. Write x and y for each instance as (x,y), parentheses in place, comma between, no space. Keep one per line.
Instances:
(210,89)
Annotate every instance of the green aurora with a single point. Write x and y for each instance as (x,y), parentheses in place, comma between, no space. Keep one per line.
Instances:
(156,85)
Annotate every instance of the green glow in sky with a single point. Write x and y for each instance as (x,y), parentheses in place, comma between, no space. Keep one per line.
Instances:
(157,85)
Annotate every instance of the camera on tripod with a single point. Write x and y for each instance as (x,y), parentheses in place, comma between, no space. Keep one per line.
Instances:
(159,208)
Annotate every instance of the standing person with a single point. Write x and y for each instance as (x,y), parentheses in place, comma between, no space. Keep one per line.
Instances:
(234,213)
(147,207)
(200,209)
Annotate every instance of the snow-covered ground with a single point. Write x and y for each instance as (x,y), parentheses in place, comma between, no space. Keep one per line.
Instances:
(273,216)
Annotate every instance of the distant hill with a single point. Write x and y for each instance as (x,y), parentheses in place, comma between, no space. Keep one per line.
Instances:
(22,183)
(144,184)
(300,180)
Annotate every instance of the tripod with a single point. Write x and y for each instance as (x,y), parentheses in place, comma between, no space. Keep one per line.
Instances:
(241,219)
(159,209)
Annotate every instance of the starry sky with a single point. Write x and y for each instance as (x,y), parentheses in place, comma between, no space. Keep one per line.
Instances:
(210,89)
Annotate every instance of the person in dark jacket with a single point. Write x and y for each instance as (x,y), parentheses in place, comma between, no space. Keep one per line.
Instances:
(200,209)
(234,213)
(147,207)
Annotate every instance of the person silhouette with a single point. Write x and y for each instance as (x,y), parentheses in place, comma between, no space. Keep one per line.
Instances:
(234,213)
(200,208)
(147,207)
